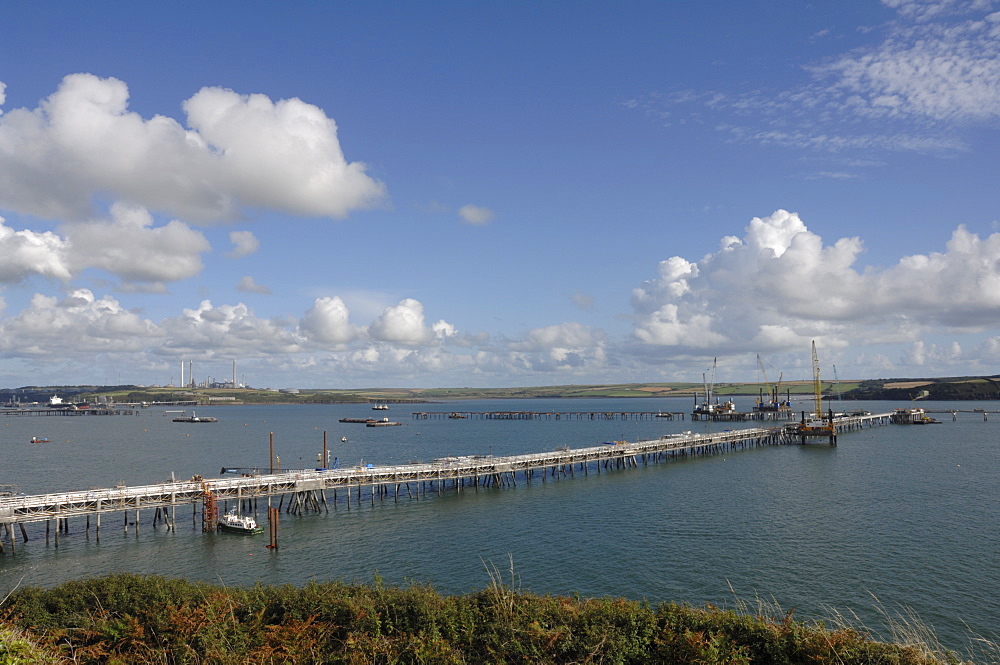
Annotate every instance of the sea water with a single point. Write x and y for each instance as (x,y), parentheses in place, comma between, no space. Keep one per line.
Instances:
(894,521)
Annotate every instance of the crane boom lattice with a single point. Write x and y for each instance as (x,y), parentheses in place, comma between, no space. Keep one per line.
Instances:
(817,425)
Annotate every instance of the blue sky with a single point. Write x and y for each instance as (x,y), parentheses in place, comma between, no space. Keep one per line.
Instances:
(352,194)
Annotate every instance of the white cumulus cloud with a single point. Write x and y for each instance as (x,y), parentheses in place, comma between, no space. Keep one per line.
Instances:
(241,151)
(79,323)
(327,322)
(780,285)
(443,330)
(127,245)
(130,247)
(404,324)
(227,330)
(282,155)
(24,253)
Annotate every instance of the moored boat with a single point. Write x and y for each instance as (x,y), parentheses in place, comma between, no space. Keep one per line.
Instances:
(233,522)
(195,418)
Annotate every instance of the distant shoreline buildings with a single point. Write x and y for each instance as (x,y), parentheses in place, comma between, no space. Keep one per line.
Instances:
(210,382)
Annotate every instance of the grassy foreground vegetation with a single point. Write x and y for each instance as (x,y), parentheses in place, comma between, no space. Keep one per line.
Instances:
(128,618)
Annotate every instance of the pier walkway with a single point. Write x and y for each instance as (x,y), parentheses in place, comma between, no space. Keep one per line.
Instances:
(306,489)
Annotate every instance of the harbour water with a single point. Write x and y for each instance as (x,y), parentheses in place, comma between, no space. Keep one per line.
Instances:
(897,520)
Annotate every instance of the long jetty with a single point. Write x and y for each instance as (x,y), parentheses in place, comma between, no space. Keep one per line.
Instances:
(306,489)
(547,415)
(729,416)
(91,411)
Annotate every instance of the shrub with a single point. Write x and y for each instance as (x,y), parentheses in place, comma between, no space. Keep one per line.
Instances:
(133,619)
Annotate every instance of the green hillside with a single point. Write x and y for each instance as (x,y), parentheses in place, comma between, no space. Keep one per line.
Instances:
(900,389)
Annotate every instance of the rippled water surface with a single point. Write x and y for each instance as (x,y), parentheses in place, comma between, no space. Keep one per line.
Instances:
(901,518)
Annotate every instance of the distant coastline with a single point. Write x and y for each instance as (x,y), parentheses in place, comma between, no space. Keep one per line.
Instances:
(898,389)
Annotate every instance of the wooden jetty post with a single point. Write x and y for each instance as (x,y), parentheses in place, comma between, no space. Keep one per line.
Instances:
(272,527)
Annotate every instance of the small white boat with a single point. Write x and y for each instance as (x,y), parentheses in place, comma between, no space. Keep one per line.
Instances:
(194,418)
(236,523)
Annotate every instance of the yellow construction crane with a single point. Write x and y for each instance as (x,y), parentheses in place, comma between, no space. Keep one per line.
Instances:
(817,425)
